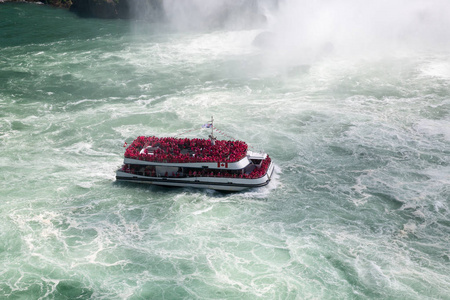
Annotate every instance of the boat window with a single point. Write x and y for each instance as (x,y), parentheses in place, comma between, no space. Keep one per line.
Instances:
(256,161)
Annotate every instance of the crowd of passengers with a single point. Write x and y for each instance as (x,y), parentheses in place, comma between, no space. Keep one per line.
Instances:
(150,171)
(195,150)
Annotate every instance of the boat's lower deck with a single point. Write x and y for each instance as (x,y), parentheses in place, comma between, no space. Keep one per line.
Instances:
(216,183)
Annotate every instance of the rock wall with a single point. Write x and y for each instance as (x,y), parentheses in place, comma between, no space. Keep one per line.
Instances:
(57,3)
(106,9)
(112,9)
(190,14)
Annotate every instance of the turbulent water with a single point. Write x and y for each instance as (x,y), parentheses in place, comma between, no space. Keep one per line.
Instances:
(359,132)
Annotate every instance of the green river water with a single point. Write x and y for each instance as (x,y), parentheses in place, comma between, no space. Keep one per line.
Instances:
(359,133)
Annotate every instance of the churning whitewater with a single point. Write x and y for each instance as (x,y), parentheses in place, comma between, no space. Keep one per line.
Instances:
(352,101)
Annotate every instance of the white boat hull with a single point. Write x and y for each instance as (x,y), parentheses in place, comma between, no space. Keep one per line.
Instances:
(215,183)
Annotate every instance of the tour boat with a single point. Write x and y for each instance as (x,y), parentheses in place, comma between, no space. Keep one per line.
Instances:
(225,165)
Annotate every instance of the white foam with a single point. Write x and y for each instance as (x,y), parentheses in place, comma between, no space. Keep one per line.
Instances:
(435,127)
(202,211)
(438,69)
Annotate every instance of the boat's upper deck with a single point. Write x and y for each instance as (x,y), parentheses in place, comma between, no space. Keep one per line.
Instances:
(184,150)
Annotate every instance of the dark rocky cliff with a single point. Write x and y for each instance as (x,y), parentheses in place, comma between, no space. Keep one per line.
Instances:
(57,3)
(107,9)
(112,9)
(185,14)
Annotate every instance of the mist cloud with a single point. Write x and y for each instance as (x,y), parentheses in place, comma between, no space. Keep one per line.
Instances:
(306,30)
(204,14)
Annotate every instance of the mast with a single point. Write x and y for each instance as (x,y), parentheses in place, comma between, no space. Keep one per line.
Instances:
(211,136)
